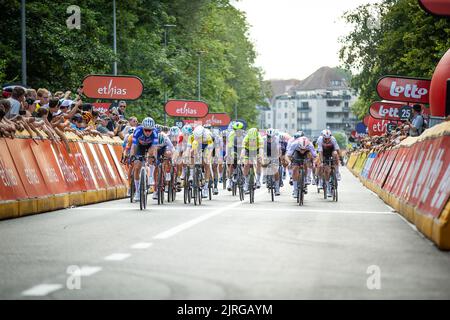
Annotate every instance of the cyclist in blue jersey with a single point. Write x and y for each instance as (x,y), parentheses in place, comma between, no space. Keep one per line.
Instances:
(145,141)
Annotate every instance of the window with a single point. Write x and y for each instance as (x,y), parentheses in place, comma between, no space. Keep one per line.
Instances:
(286,126)
(305,104)
(285,104)
(268,116)
(285,115)
(346,104)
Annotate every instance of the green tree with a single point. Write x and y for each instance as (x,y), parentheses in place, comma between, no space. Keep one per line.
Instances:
(392,37)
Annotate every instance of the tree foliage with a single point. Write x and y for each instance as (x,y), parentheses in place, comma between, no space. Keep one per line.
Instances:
(393,37)
(59,58)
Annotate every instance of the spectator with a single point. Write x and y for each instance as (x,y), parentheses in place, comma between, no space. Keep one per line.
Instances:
(112,124)
(102,126)
(416,126)
(122,108)
(16,101)
(77,122)
(43,96)
(53,108)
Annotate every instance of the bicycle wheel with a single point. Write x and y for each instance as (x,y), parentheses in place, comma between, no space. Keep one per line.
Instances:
(325,189)
(272,193)
(335,187)
(143,189)
(251,185)
(210,189)
(301,185)
(132,187)
(224,177)
(160,188)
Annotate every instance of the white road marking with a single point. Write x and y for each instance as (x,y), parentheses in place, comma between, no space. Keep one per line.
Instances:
(173,231)
(42,290)
(302,209)
(117,256)
(141,245)
(86,271)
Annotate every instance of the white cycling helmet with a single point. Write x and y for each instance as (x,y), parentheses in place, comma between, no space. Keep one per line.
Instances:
(148,123)
(303,143)
(174,131)
(187,129)
(199,131)
(270,132)
(327,134)
(298,134)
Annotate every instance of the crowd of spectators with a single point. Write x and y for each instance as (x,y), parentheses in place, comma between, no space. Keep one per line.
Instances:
(56,113)
(413,127)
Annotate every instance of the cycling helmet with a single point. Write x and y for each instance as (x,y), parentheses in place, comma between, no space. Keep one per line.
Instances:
(199,131)
(174,131)
(323,132)
(327,134)
(148,123)
(298,134)
(187,129)
(270,132)
(252,133)
(238,125)
(303,143)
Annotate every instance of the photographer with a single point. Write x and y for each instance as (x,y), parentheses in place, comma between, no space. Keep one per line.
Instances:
(417,124)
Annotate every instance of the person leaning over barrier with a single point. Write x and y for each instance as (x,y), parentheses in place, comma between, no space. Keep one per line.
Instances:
(417,122)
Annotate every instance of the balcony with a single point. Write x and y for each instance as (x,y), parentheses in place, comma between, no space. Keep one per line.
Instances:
(349,120)
(304,109)
(304,121)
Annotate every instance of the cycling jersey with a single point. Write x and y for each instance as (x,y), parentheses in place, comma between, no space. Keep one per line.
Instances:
(206,142)
(143,142)
(234,144)
(294,146)
(327,148)
(253,144)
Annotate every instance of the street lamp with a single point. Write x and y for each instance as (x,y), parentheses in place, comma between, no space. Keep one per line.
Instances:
(114,38)
(199,53)
(24,46)
(166,27)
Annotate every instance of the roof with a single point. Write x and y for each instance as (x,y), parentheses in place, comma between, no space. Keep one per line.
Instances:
(321,79)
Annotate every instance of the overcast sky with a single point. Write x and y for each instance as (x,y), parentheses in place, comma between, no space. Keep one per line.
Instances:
(293,38)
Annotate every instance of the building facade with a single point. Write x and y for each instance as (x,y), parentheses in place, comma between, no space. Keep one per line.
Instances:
(323,100)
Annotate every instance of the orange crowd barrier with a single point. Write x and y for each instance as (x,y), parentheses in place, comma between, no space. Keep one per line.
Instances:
(42,175)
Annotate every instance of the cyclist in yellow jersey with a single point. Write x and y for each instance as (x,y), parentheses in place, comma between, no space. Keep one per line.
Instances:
(201,144)
(252,149)
(233,148)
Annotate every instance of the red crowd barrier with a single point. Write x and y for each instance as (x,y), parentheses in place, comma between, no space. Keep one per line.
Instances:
(38,170)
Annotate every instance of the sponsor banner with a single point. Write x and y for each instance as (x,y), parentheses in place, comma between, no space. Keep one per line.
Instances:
(102,107)
(110,87)
(48,165)
(11,187)
(83,163)
(398,187)
(432,186)
(397,165)
(377,163)
(186,108)
(417,155)
(404,89)
(112,178)
(390,111)
(378,127)
(380,178)
(96,166)
(366,120)
(115,153)
(27,167)
(69,170)
(368,165)
(436,7)
(213,119)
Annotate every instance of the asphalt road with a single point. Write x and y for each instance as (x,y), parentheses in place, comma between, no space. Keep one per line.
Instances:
(357,248)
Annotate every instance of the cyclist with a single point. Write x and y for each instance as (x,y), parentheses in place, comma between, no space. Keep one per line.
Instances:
(271,156)
(296,135)
(284,139)
(165,151)
(174,134)
(233,148)
(145,141)
(300,149)
(183,138)
(201,144)
(252,147)
(217,158)
(329,149)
